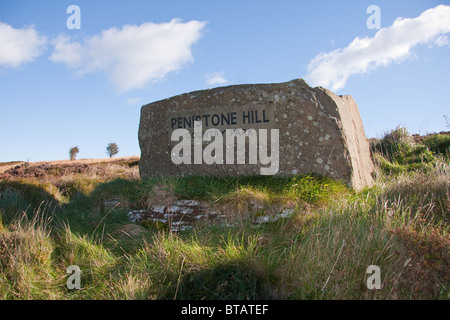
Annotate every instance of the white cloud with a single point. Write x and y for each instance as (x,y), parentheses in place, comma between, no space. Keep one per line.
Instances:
(67,52)
(19,46)
(134,55)
(391,44)
(216,78)
(442,41)
(133,101)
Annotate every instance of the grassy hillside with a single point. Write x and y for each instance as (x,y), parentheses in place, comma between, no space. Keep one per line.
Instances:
(52,218)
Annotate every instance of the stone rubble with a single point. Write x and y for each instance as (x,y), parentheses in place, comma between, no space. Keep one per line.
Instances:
(184,214)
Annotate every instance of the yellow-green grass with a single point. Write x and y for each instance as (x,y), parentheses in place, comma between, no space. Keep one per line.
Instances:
(321,251)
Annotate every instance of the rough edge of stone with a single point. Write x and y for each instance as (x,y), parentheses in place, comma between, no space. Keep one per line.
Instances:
(353,130)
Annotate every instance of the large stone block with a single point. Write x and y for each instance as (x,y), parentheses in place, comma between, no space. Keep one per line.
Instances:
(318,132)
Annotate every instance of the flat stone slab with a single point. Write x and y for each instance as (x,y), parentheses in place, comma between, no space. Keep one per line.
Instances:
(316,130)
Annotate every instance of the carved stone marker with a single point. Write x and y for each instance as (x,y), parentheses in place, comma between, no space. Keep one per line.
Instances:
(283,129)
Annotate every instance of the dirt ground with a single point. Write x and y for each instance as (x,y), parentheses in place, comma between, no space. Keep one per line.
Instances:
(22,169)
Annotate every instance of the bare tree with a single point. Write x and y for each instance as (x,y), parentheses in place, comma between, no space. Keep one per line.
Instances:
(112,149)
(73,152)
(447,121)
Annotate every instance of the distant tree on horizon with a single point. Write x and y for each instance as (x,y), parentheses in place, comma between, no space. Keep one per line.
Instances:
(73,152)
(112,149)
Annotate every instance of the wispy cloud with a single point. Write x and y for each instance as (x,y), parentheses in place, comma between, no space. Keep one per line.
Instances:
(133,101)
(216,78)
(134,55)
(19,46)
(442,41)
(391,44)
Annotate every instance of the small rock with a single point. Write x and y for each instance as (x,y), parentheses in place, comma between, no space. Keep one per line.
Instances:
(262,219)
(111,203)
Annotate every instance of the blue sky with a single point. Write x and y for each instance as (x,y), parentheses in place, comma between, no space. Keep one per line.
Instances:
(61,88)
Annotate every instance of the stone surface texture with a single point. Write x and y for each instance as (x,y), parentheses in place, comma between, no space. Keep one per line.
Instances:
(319,131)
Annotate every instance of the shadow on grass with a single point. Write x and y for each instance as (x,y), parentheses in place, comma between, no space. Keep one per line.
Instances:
(20,196)
(230,281)
(84,213)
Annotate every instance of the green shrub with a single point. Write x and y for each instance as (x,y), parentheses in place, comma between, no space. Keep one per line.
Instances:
(439,144)
(390,145)
(397,153)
